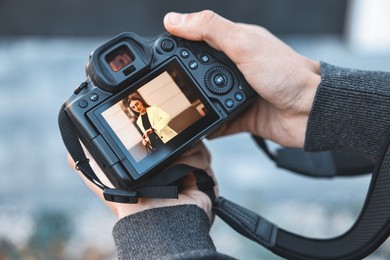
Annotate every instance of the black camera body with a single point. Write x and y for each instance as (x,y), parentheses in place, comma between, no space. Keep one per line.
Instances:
(144,103)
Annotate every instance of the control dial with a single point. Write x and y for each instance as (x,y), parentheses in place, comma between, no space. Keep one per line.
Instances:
(219,80)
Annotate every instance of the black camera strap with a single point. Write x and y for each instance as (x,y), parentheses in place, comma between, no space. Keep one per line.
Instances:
(369,231)
(325,164)
(164,185)
(363,238)
(73,145)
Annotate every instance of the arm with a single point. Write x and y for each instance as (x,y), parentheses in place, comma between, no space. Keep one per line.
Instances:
(177,232)
(139,124)
(351,111)
(161,117)
(145,135)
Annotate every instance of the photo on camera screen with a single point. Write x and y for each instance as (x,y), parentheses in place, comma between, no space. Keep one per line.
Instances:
(148,120)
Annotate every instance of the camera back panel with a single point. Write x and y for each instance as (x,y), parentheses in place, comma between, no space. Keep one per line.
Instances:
(186,88)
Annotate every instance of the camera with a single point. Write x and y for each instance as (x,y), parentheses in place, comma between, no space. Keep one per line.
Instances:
(143,103)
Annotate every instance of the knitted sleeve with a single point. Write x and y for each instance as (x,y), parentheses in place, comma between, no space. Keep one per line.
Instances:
(176,232)
(351,111)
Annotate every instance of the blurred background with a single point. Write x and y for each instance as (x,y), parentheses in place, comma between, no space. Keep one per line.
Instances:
(46,212)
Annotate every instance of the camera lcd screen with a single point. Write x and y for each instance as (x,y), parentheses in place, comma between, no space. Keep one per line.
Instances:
(119,58)
(157,116)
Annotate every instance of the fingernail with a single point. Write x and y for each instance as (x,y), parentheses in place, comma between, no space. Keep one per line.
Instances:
(175,18)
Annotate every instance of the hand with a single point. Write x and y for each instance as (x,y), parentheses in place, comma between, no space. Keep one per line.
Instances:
(145,141)
(148,132)
(198,156)
(285,80)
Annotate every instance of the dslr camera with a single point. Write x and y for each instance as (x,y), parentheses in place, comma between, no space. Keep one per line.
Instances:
(143,103)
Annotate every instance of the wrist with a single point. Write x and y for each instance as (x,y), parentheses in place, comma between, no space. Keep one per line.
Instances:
(310,82)
(298,115)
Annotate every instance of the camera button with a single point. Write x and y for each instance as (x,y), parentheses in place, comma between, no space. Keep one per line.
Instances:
(220,80)
(193,65)
(184,53)
(93,97)
(167,45)
(229,103)
(83,103)
(238,96)
(205,58)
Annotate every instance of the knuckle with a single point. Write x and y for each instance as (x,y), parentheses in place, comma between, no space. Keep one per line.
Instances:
(206,15)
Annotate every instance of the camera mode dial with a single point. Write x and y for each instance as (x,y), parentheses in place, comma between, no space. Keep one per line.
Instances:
(219,80)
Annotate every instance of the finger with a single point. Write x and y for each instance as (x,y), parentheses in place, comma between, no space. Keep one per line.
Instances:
(230,128)
(198,156)
(89,184)
(245,122)
(199,147)
(189,182)
(198,159)
(206,26)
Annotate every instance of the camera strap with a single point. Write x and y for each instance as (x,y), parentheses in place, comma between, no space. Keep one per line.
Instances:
(325,164)
(369,231)
(162,185)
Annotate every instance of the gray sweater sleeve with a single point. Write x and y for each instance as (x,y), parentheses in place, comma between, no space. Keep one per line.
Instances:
(351,111)
(177,232)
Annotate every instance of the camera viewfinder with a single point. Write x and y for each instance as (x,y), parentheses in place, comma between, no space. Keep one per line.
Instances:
(119,58)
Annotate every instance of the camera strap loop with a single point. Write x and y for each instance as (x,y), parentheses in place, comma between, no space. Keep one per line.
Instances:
(164,185)
(73,145)
(172,174)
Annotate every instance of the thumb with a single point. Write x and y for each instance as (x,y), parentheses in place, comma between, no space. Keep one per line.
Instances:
(206,26)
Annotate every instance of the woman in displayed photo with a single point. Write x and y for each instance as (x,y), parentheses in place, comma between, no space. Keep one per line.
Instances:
(152,121)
